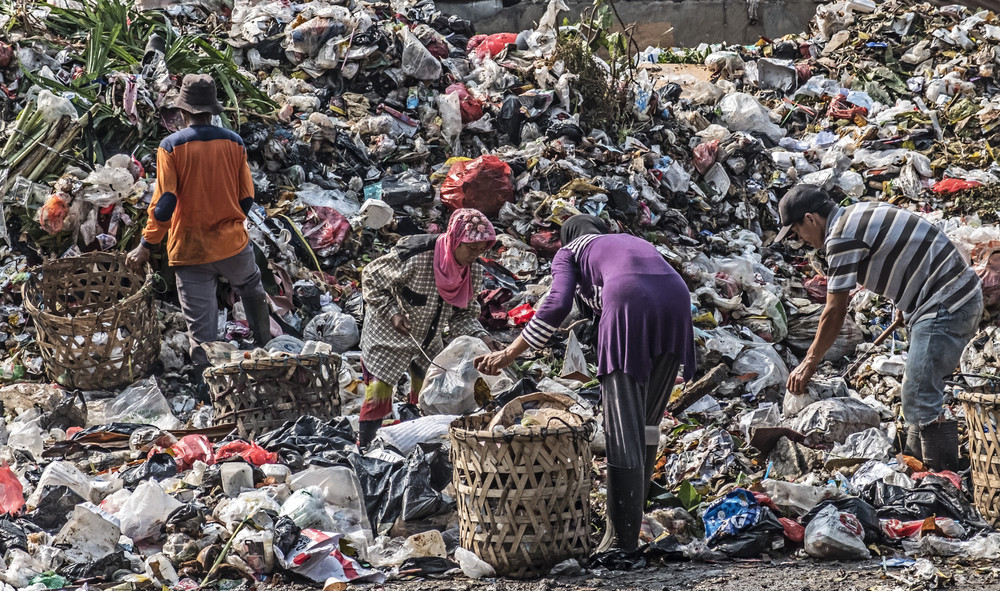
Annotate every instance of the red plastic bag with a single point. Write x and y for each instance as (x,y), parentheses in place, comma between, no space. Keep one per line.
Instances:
(951,476)
(704,155)
(545,242)
(192,448)
(490,45)
(52,215)
(948,186)
(11,491)
(793,530)
(472,108)
(816,288)
(250,452)
(484,184)
(325,227)
(522,314)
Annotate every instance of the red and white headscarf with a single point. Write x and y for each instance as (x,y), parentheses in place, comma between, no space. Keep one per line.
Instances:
(454,281)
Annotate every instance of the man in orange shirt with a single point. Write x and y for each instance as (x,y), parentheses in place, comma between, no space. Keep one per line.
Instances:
(203,194)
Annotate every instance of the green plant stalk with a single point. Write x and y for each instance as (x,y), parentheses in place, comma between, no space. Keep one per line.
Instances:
(37,155)
(27,148)
(19,126)
(61,145)
(31,128)
(224,553)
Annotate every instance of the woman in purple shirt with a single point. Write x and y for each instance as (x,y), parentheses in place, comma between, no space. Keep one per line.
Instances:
(644,337)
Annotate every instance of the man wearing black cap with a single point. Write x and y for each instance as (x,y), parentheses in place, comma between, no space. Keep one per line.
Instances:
(900,255)
(203,193)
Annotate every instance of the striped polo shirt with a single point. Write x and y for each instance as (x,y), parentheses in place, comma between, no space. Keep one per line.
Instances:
(897,254)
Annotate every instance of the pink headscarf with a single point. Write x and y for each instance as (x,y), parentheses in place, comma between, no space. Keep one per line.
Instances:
(454,281)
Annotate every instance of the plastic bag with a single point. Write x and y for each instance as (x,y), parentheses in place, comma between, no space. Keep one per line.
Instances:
(335,328)
(61,473)
(417,61)
(307,509)
(798,499)
(484,184)
(766,363)
(144,403)
(190,449)
(473,566)
(250,452)
(11,491)
(835,535)
(450,384)
(316,555)
(818,389)
(472,108)
(406,436)
(450,108)
(742,112)
(490,45)
(142,516)
(730,515)
(831,421)
(871,444)
(340,489)
(427,475)
(575,364)
(325,228)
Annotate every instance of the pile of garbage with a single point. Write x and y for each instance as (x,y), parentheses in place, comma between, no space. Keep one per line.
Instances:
(364,122)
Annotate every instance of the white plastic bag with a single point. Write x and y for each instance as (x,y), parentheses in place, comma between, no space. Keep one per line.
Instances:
(831,421)
(818,389)
(307,508)
(142,516)
(742,112)
(835,535)
(407,435)
(142,402)
(449,387)
(473,566)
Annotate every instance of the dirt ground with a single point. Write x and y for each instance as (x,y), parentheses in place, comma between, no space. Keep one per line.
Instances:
(791,575)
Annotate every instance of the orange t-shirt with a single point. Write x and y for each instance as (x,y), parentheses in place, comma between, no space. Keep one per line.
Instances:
(201,176)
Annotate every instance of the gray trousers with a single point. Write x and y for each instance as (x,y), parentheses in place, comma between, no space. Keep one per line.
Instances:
(633,411)
(196,290)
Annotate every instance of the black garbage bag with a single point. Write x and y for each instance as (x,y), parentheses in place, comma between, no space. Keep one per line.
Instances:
(286,533)
(383,484)
(187,519)
(310,435)
(102,568)
(71,411)
(865,513)
(114,428)
(428,472)
(12,534)
(935,496)
(407,188)
(753,542)
(54,507)
(618,559)
(423,566)
(158,466)
(666,549)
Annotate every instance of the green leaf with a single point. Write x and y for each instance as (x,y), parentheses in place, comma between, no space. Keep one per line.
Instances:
(689,496)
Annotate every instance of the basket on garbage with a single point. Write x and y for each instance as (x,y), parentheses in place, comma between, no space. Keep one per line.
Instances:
(982,412)
(261,394)
(524,499)
(95,320)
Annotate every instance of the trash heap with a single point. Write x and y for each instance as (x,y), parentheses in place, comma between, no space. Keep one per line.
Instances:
(364,122)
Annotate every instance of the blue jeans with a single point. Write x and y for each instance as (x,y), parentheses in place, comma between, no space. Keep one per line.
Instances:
(936,345)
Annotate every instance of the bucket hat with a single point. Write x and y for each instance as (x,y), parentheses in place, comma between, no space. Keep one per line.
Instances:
(198,95)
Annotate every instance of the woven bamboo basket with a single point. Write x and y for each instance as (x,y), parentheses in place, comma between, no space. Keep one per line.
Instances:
(259,395)
(982,412)
(523,500)
(95,319)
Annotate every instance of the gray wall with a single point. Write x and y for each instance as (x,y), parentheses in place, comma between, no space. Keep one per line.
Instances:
(692,21)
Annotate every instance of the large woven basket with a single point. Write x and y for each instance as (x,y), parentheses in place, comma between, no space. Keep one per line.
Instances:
(982,412)
(95,318)
(523,500)
(259,395)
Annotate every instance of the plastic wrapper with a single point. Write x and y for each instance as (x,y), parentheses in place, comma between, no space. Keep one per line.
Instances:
(316,555)
(835,535)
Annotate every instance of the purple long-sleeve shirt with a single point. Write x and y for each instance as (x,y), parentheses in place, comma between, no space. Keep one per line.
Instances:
(644,305)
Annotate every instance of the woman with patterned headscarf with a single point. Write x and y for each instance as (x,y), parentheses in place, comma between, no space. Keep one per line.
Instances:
(425,283)
(644,339)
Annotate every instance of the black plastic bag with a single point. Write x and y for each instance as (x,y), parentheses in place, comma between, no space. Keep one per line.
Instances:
(54,507)
(382,483)
(407,188)
(311,435)
(187,519)
(286,533)
(666,548)
(102,568)
(934,496)
(422,486)
(423,566)
(863,511)
(158,466)
(71,411)
(12,535)
(753,542)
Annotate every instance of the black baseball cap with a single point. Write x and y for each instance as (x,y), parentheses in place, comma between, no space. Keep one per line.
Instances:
(797,202)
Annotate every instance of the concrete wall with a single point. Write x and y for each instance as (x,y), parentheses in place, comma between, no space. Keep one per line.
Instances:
(683,23)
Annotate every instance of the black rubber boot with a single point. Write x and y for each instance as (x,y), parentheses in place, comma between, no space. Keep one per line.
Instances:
(939,442)
(259,318)
(366,433)
(625,500)
(913,447)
